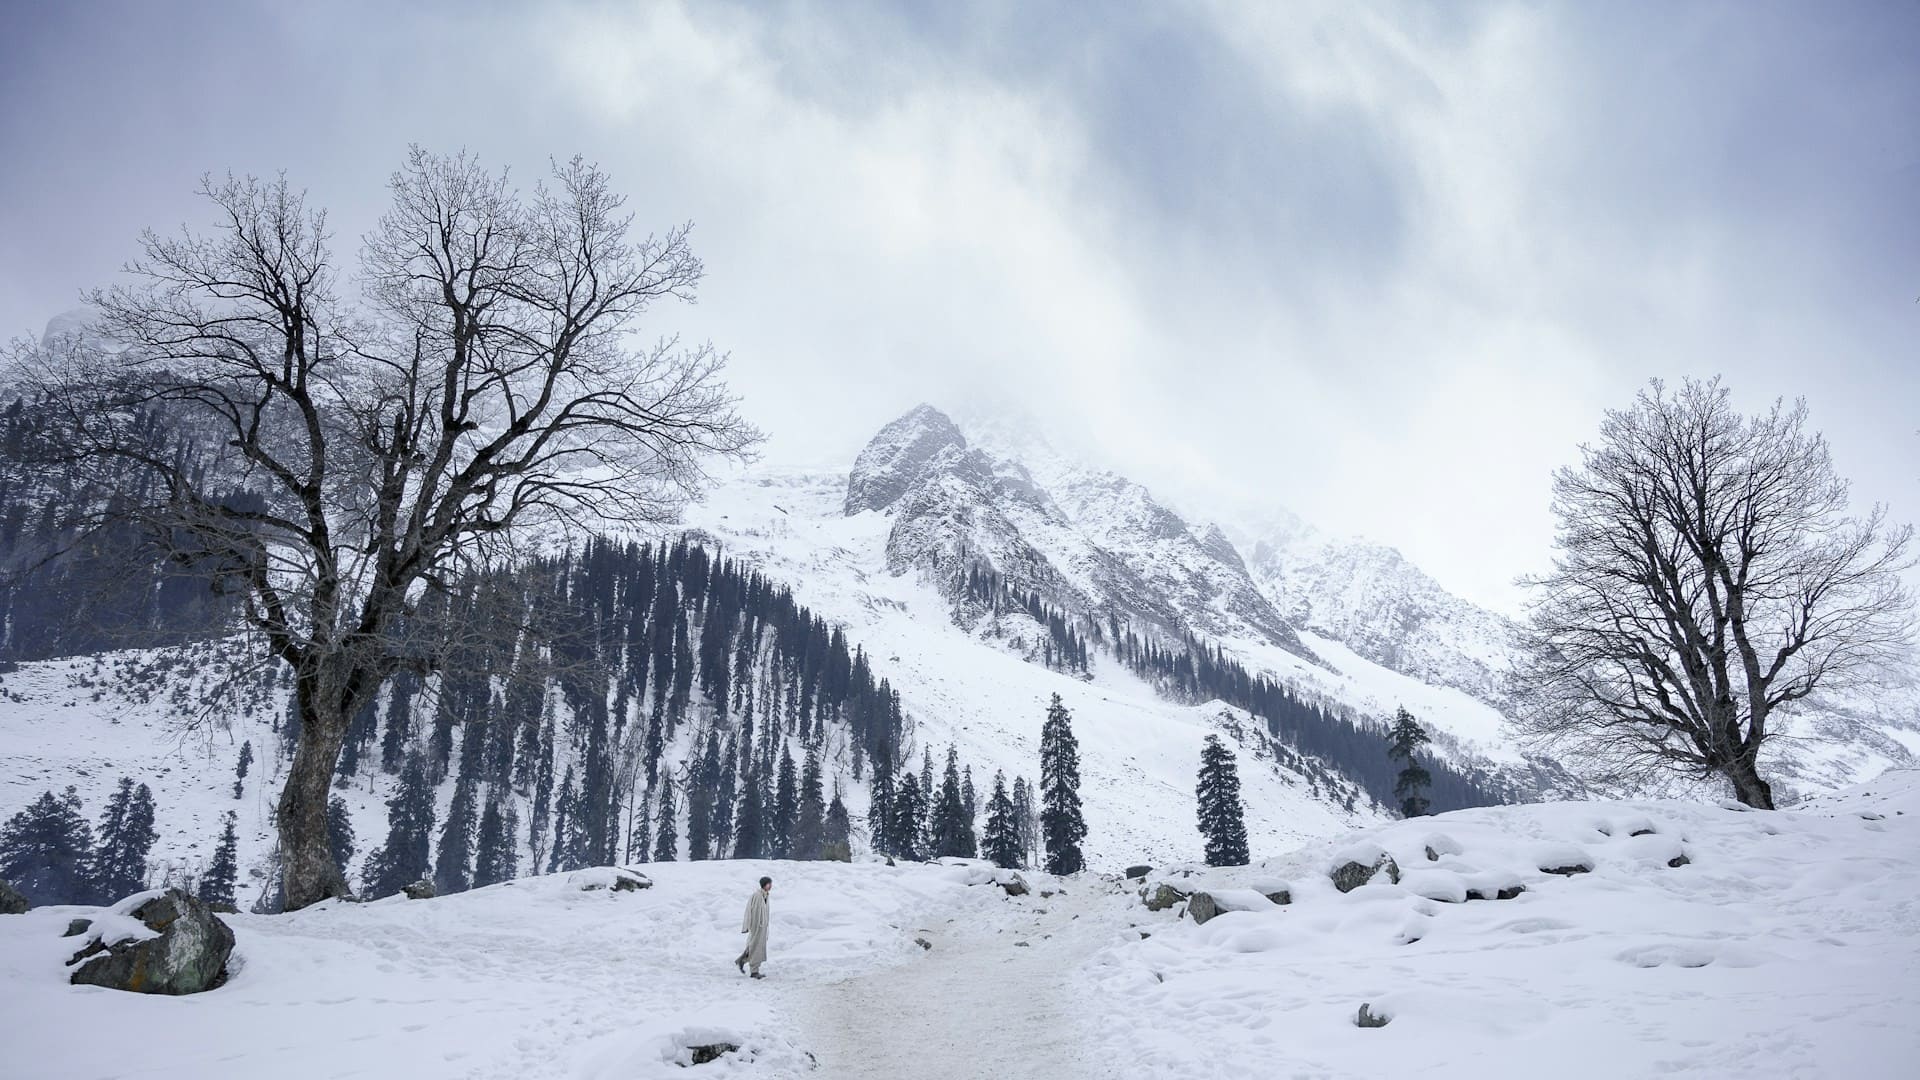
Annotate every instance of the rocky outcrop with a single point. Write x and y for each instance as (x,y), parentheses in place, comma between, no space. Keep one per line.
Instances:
(419,890)
(1350,872)
(897,456)
(1160,897)
(184,949)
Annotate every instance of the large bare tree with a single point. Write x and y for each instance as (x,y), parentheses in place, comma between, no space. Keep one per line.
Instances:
(335,445)
(1707,576)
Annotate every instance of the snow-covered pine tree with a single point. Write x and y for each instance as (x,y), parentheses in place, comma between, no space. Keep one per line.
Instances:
(1223,822)
(723,797)
(706,783)
(666,845)
(837,831)
(809,822)
(786,809)
(968,796)
(125,837)
(497,858)
(1410,786)
(45,850)
(1061,823)
(240,767)
(340,838)
(1002,840)
(406,856)
(749,839)
(453,862)
(1026,823)
(952,829)
(904,829)
(218,879)
(924,828)
(880,807)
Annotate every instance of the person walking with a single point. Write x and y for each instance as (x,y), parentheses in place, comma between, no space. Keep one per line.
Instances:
(755,927)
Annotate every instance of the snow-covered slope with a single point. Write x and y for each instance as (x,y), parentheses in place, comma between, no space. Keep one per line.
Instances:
(1785,945)
(1702,941)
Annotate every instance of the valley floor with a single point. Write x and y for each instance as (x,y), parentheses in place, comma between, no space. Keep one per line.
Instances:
(1699,941)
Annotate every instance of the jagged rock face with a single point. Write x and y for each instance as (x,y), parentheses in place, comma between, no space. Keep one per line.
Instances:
(900,454)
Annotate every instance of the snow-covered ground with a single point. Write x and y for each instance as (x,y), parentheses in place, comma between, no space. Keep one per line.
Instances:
(1788,945)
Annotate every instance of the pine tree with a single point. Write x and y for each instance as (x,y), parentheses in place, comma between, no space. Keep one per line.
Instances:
(1061,822)
(497,857)
(45,850)
(749,840)
(905,827)
(667,835)
(1002,841)
(1222,820)
(968,796)
(952,828)
(880,807)
(786,809)
(700,797)
(406,857)
(453,863)
(126,836)
(837,831)
(217,881)
(1410,786)
(809,824)
(340,832)
(725,794)
(240,768)
(1026,824)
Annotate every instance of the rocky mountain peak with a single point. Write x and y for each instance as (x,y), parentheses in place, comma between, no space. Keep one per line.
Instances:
(900,453)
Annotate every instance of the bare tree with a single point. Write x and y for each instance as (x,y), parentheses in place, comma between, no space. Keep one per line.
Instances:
(335,459)
(1707,577)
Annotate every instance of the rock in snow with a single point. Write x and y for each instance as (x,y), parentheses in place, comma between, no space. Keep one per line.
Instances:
(1359,865)
(183,949)
(11,902)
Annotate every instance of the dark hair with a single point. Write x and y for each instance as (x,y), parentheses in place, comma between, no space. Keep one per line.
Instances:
(765,881)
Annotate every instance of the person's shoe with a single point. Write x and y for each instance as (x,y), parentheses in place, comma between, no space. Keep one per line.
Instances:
(757,975)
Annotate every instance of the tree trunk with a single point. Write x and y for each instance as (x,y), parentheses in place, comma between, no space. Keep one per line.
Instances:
(310,873)
(1747,785)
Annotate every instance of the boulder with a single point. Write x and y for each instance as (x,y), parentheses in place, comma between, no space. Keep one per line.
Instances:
(1201,906)
(1161,896)
(185,950)
(1679,861)
(1015,885)
(707,1052)
(1206,905)
(1350,874)
(1137,873)
(1367,1018)
(1568,870)
(614,879)
(11,900)
(1279,896)
(76,927)
(1502,892)
(419,890)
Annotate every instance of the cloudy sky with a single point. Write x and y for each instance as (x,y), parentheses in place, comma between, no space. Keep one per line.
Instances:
(1382,265)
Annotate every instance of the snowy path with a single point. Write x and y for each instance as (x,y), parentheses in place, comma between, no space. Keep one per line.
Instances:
(1000,994)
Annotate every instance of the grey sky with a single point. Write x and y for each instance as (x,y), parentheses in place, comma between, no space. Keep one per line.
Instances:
(1384,265)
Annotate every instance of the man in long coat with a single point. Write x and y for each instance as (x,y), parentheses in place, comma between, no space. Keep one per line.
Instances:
(755,927)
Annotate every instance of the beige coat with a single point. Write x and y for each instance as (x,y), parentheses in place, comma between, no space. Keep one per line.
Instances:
(755,927)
